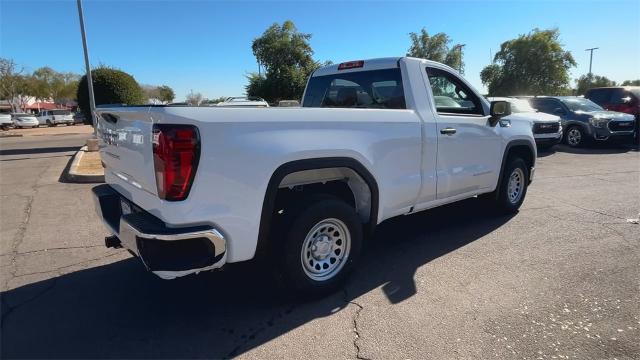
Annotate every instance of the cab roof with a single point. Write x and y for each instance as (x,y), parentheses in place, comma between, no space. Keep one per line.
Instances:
(369,64)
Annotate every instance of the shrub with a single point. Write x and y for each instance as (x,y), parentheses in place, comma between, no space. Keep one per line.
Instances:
(110,86)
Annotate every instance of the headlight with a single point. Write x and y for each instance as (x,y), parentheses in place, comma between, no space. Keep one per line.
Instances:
(598,122)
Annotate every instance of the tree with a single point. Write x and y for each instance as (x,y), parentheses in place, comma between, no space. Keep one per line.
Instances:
(586,82)
(14,86)
(285,55)
(50,84)
(194,99)
(631,83)
(166,94)
(532,64)
(436,48)
(110,86)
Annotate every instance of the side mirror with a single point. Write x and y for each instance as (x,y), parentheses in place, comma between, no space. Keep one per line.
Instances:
(498,110)
(559,111)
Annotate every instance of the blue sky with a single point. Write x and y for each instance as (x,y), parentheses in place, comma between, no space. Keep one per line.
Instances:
(206,45)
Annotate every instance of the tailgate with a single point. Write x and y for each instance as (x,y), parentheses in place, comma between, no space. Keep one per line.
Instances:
(126,146)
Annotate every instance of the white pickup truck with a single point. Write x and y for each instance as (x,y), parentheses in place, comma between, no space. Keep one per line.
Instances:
(190,189)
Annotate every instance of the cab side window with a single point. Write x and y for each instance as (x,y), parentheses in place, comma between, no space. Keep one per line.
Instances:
(451,95)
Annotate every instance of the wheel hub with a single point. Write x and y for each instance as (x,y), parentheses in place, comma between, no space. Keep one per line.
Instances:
(321,247)
(325,249)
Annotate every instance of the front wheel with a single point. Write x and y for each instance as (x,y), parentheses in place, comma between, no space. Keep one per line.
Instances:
(321,247)
(575,137)
(513,186)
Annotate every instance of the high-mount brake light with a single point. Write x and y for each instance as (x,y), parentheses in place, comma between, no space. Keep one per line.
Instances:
(351,65)
(176,152)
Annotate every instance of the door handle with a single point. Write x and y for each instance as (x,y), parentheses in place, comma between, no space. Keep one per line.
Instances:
(448,131)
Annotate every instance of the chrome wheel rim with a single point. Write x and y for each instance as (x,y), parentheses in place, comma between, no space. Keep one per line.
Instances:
(516,185)
(325,249)
(574,136)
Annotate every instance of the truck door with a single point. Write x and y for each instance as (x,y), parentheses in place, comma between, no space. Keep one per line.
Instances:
(468,156)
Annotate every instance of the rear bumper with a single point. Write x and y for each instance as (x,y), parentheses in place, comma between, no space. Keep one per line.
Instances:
(168,252)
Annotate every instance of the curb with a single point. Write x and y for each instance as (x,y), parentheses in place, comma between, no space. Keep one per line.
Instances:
(73,176)
(10,135)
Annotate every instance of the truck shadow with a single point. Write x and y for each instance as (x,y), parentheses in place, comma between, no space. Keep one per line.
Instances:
(120,311)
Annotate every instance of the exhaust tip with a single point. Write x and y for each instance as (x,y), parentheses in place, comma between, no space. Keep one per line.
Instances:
(112,242)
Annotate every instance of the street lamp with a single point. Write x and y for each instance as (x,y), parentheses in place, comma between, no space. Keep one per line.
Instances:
(92,101)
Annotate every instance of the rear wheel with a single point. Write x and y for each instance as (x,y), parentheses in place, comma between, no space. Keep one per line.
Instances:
(321,245)
(49,124)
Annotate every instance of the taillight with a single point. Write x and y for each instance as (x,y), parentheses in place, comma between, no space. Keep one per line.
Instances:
(176,151)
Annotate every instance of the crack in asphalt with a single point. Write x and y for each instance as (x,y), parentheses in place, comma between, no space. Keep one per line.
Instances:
(581,175)
(583,208)
(354,323)
(59,248)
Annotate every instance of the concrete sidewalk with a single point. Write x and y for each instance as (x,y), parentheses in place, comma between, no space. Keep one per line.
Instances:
(86,167)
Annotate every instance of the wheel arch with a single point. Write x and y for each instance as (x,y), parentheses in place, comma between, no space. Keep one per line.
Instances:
(268,205)
(521,147)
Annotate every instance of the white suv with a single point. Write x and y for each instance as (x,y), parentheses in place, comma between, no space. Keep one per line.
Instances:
(55,117)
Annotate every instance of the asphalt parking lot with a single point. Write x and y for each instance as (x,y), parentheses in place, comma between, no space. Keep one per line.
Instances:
(558,280)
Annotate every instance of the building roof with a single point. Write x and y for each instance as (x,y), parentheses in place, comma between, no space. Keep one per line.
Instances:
(44,106)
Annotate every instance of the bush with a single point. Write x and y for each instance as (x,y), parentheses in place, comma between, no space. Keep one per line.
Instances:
(110,86)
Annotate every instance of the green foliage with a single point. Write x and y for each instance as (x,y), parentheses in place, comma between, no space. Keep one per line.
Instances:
(285,55)
(436,48)
(110,86)
(166,94)
(48,83)
(631,83)
(532,64)
(589,81)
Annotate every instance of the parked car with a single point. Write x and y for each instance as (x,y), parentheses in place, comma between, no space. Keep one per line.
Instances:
(584,120)
(55,117)
(5,121)
(547,128)
(622,99)
(24,120)
(78,118)
(303,187)
(240,101)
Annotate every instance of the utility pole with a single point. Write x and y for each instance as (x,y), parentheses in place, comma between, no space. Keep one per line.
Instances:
(92,99)
(591,58)
(460,46)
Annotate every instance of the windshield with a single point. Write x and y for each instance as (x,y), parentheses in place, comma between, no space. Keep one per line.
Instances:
(520,106)
(580,104)
(61,112)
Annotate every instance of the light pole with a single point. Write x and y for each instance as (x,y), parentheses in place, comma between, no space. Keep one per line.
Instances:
(92,100)
(591,58)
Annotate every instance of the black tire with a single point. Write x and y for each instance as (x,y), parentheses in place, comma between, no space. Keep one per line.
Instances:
(49,124)
(318,211)
(571,134)
(504,203)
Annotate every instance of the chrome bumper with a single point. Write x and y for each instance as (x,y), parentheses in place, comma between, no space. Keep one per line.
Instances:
(166,251)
